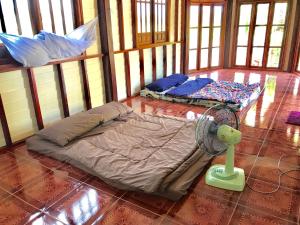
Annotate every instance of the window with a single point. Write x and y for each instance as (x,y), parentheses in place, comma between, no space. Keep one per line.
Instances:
(151,30)
(260,34)
(205,35)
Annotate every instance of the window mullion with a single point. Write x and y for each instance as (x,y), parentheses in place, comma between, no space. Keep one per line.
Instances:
(17,17)
(63,16)
(210,34)
(268,35)
(52,16)
(152,21)
(251,34)
(199,36)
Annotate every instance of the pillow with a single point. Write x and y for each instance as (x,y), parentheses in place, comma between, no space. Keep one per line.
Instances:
(66,130)
(111,110)
(167,82)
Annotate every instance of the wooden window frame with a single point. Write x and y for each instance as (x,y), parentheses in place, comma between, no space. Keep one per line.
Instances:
(252,25)
(211,26)
(153,33)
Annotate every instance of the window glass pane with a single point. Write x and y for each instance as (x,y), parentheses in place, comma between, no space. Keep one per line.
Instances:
(9,17)
(69,15)
(204,58)
(163,13)
(148,15)
(194,16)
(215,56)
(245,14)
(217,15)
(216,37)
(159,17)
(143,11)
(273,57)
(276,35)
(205,37)
(262,14)
(56,8)
(45,13)
(192,59)
(138,12)
(257,56)
(205,16)
(243,35)
(193,38)
(279,13)
(259,36)
(241,55)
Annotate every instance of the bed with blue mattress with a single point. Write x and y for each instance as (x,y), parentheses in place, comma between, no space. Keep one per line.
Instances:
(202,91)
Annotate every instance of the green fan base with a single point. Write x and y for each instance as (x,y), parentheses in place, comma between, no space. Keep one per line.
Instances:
(216,177)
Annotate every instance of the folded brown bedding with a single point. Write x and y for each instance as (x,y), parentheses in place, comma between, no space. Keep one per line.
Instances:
(137,152)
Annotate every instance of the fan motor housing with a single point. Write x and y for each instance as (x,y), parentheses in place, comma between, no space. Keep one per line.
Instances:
(229,135)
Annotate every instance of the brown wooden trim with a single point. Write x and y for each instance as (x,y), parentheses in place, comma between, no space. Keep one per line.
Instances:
(211,24)
(133,22)
(296,53)
(121,24)
(174,48)
(35,98)
(127,74)
(168,19)
(164,61)
(251,34)
(4,124)
(35,16)
(176,20)
(185,18)
(63,90)
(152,25)
(147,46)
(199,36)
(77,4)
(17,17)
(108,60)
(2,19)
(86,86)
(142,72)
(153,50)
(13,67)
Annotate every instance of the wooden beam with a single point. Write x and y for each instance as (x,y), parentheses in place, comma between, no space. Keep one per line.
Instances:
(63,16)
(2,19)
(78,12)
(17,17)
(35,98)
(35,16)
(63,90)
(185,17)
(152,24)
(107,50)
(133,22)
(52,16)
(153,64)
(168,20)
(121,24)
(127,74)
(199,36)
(4,124)
(142,72)
(176,21)
(174,58)
(86,86)
(165,60)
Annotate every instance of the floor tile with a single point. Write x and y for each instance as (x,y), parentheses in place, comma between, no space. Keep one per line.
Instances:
(22,152)
(17,177)
(48,162)
(247,216)
(7,161)
(202,209)
(285,138)
(284,203)
(43,219)
(266,169)
(253,132)
(126,213)
(156,204)
(275,151)
(83,205)
(73,172)
(248,146)
(15,211)
(47,189)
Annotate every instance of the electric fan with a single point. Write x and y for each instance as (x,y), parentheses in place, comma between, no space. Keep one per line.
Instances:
(216,133)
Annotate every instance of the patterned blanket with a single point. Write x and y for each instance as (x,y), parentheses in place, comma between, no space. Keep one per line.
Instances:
(227,92)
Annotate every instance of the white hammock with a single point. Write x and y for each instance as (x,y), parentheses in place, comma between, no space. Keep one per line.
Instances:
(45,47)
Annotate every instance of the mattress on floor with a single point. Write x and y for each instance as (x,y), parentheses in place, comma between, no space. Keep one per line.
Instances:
(210,96)
(136,152)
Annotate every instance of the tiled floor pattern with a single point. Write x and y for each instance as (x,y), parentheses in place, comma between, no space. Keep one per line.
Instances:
(35,189)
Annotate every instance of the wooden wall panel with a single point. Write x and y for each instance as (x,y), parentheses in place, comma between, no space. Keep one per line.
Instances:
(120,76)
(134,61)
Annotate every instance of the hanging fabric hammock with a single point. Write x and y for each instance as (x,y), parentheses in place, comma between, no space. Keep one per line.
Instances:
(45,47)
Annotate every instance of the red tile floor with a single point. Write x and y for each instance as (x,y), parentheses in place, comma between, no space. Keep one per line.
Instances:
(35,189)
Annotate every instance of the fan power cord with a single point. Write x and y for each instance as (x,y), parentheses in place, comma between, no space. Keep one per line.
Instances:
(297,168)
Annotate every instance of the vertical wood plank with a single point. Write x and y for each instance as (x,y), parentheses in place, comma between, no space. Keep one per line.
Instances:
(142,72)
(251,34)
(127,74)
(35,16)
(174,58)
(52,16)
(2,19)
(78,12)
(210,34)
(107,50)
(133,22)
(153,64)
(86,86)
(168,20)
(152,25)
(63,16)
(185,8)
(165,60)
(4,124)
(199,36)
(35,98)
(17,17)
(268,34)
(176,20)
(63,90)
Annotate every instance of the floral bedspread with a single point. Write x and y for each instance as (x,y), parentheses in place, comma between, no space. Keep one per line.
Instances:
(226,91)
